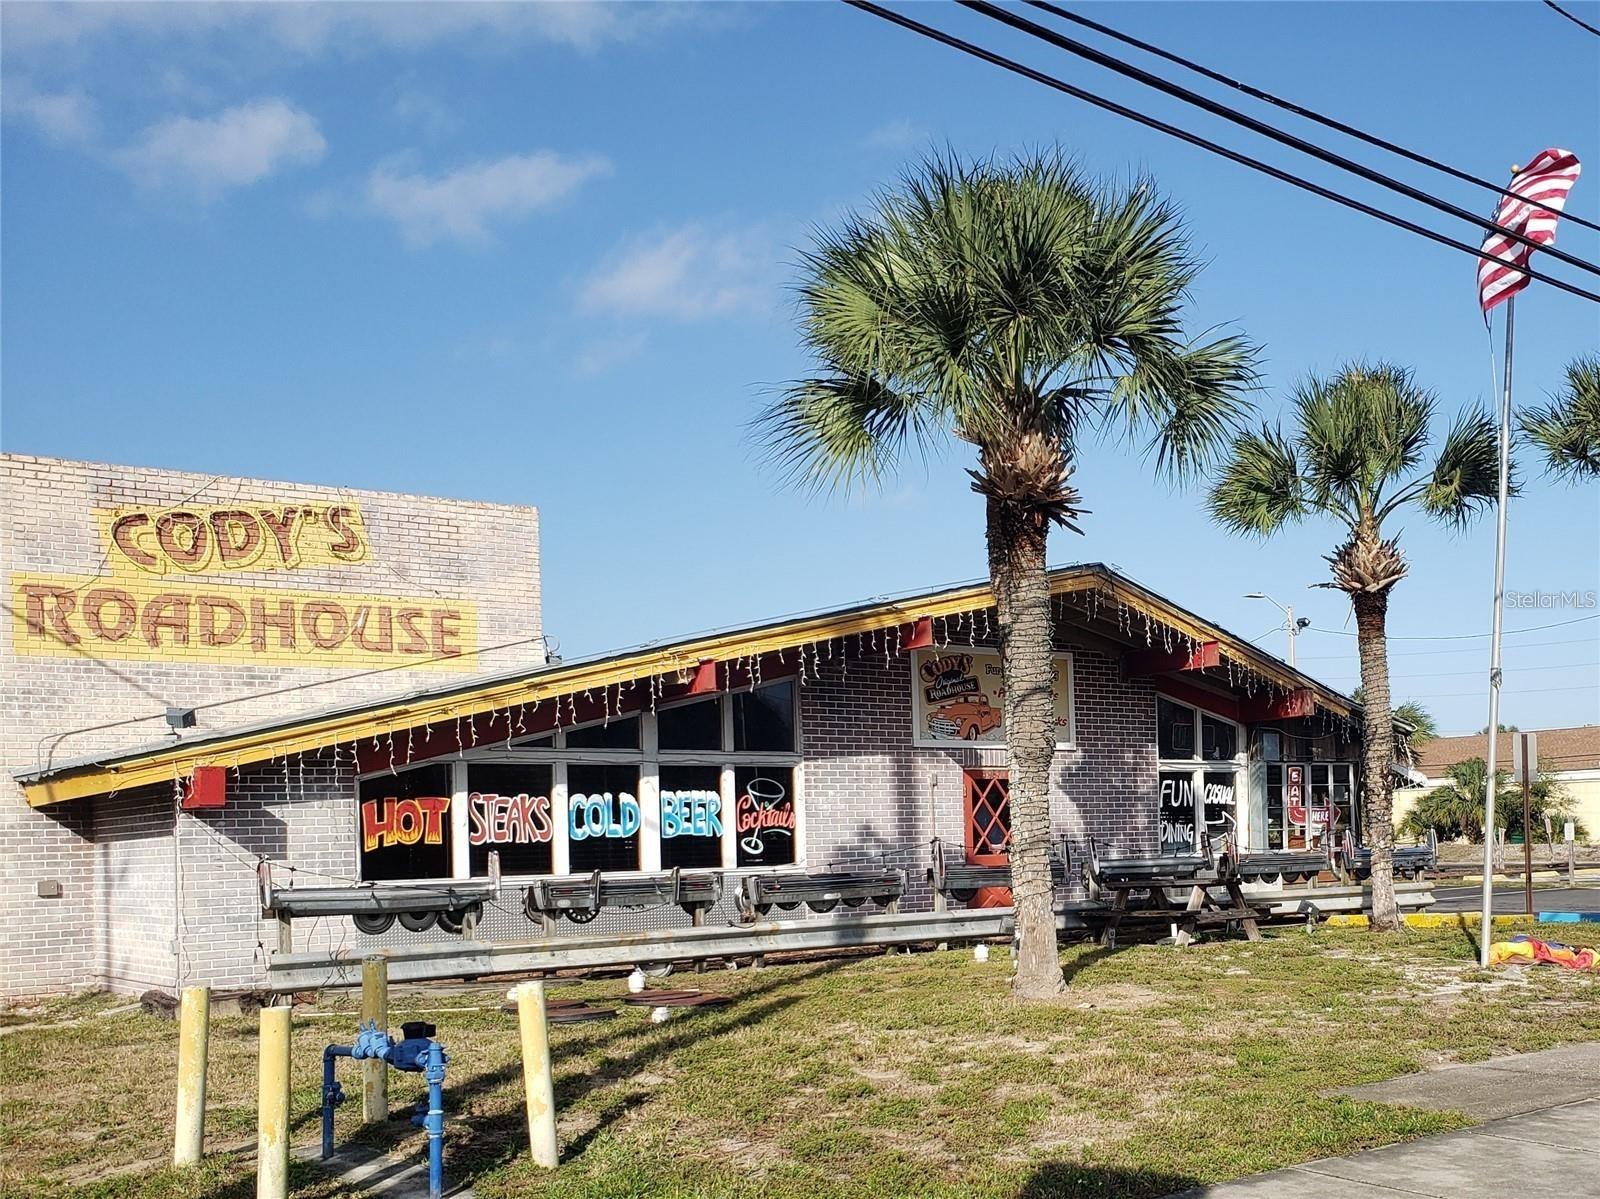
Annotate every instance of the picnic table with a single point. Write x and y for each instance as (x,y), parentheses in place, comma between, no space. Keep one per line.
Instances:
(1140,887)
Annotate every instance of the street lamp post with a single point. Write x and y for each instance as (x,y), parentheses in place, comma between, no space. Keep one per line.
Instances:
(1294,625)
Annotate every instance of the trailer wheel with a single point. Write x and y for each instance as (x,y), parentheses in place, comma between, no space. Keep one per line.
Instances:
(453,921)
(855,901)
(763,908)
(582,915)
(962,896)
(373,923)
(791,906)
(883,901)
(655,969)
(823,905)
(418,922)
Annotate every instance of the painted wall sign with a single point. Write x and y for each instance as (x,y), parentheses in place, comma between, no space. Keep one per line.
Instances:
(195,540)
(764,815)
(959,696)
(1177,813)
(508,819)
(410,821)
(150,619)
(604,815)
(691,814)
(150,603)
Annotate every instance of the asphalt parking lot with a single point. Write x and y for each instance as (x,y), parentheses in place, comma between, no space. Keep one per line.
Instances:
(1508,898)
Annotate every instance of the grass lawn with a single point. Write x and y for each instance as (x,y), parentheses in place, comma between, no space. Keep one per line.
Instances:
(903,1075)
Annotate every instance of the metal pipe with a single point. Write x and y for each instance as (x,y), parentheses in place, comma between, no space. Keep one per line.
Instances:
(272,1106)
(332,1094)
(434,1122)
(536,1075)
(1485,934)
(194,1031)
(374,1008)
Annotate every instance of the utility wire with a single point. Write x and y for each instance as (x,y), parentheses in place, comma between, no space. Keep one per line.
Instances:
(1193,139)
(1300,111)
(1167,88)
(1560,624)
(1434,653)
(1575,20)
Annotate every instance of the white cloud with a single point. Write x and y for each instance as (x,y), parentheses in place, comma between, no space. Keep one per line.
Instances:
(317,28)
(899,134)
(463,203)
(60,116)
(238,146)
(606,354)
(687,274)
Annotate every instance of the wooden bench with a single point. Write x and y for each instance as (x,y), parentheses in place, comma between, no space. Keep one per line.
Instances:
(758,894)
(953,877)
(453,905)
(1279,865)
(1125,876)
(1409,860)
(581,897)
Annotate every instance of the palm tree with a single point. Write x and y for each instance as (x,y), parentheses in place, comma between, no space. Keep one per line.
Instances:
(1018,307)
(1568,431)
(1356,457)
(1423,725)
(1455,809)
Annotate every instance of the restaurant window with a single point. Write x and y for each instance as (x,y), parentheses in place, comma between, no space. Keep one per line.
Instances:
(691,817)
(690,726)
(1309,804)
(765,818)
(509,812)
(763,719)
(1174,729)
(1202,797)
(602,817)
(622,733)
(404,824)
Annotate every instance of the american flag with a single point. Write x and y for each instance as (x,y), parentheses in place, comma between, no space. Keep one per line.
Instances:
(1546,180)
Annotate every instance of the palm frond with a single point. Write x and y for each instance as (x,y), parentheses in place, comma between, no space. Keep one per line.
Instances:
(1259,488)
(1466,476)
(1568,429)
(841,433)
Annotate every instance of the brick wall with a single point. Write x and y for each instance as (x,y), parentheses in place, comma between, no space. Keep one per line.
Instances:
(438,550)
(869,791)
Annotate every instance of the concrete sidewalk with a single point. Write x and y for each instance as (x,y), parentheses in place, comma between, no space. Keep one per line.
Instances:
(1543,1113)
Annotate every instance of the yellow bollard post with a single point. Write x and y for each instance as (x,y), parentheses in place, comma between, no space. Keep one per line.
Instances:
(194,1032)
(272,1114)
(375,1007)
(536,1076)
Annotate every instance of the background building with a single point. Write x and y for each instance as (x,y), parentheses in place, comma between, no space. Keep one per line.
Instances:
(133,591)
(845,739)
(1571,756)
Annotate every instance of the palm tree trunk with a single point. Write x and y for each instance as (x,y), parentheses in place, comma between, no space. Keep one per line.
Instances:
(1022,600)
(1377,789)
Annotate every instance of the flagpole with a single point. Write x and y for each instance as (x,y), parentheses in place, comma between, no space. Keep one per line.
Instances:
(1484,933)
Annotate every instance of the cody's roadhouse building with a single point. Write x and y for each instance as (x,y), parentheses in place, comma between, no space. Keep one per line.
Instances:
(845,738)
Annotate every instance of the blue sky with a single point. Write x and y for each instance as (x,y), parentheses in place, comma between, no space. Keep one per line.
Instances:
(542,254)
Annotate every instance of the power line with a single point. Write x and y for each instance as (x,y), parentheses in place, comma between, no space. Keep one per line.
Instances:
(1446,674)
(1538,628)
(1514,691)
(1167,88)
(1193,139)
(1300,111)
(1429,653)
(1575,20)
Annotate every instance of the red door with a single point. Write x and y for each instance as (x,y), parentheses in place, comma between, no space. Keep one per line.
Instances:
(988,829)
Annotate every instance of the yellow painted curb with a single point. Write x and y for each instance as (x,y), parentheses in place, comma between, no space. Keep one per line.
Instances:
(1436,920)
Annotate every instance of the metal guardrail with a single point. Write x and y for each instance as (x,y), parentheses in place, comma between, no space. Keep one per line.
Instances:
(471,959)
(458,959)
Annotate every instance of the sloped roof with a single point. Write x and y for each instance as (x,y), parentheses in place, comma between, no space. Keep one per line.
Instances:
(1121,608)
(1559,750)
